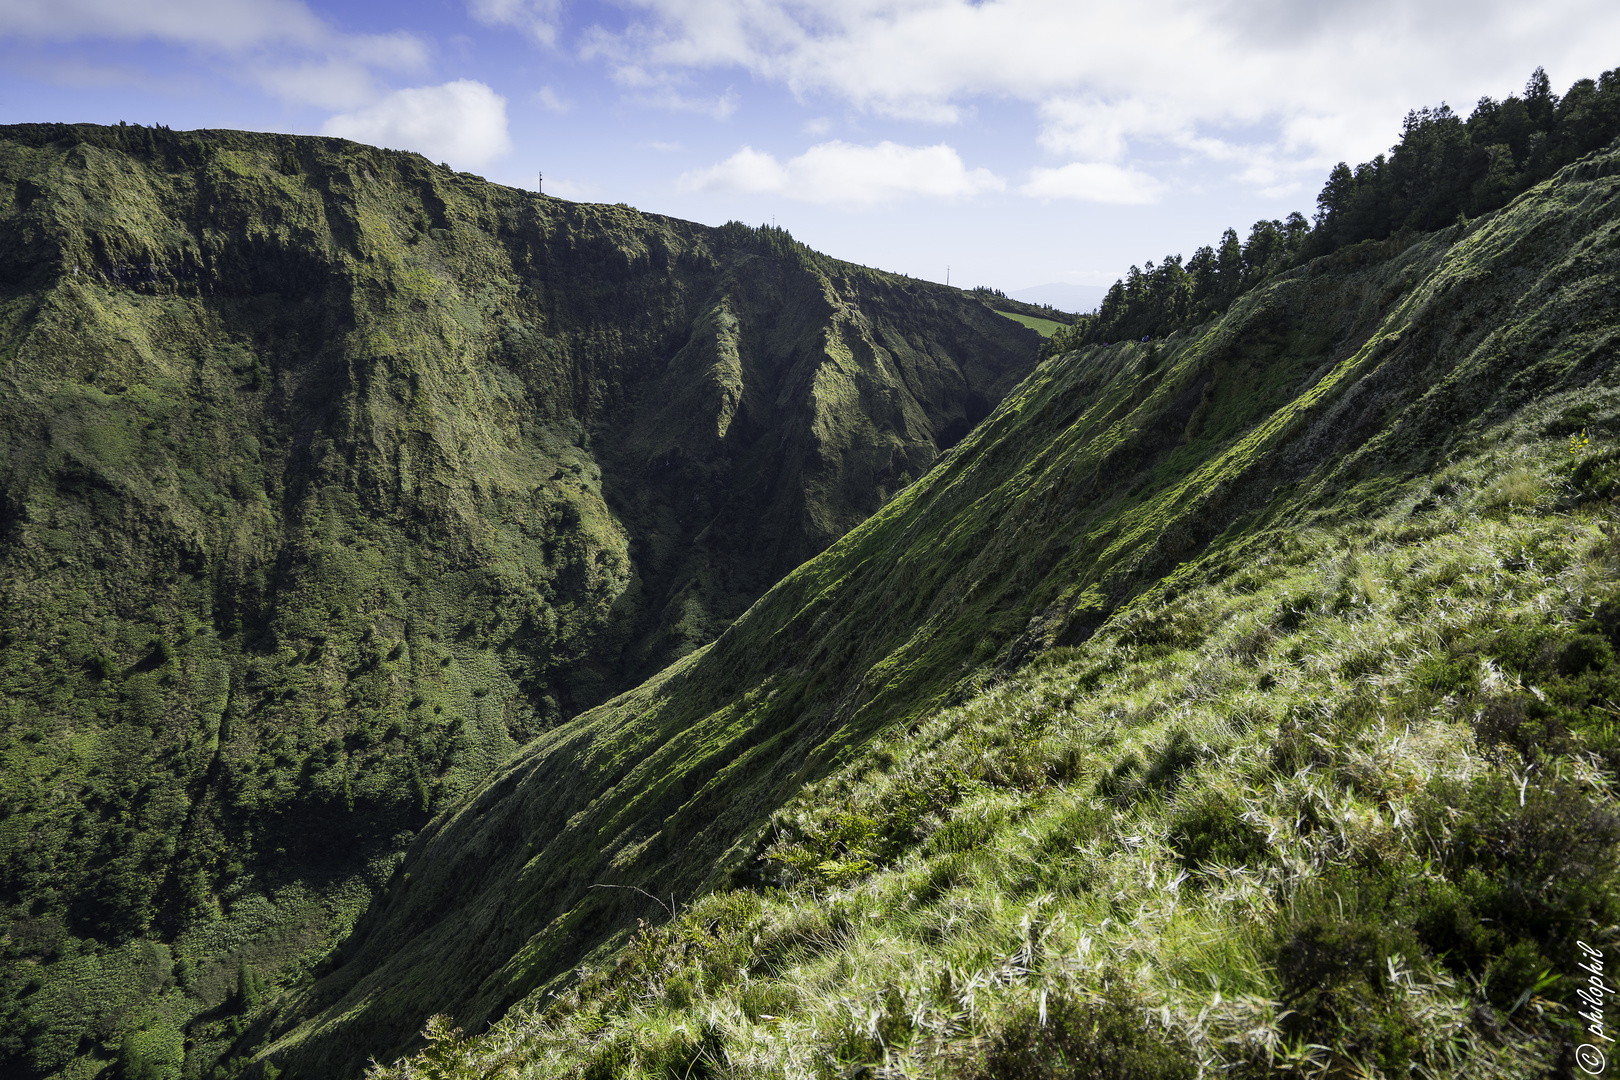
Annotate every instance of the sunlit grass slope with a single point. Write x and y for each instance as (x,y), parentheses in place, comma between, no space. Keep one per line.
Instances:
(1339,801)
(1044,327)
(1199,685)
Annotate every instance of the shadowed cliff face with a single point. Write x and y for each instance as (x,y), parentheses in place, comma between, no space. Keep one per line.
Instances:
(1108,474)
(328,477)
(805,398)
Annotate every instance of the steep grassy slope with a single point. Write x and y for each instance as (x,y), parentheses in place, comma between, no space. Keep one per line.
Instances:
(1105,492)
(1340,803)
(327,478)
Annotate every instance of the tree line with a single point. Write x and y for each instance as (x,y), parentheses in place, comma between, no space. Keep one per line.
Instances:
(1443,170)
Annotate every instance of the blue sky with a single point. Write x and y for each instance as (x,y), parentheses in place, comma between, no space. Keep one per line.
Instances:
(1016,142)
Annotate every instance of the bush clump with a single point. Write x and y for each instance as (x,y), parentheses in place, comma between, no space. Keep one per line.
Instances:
(1337,951)
(1577,673)
(1109,1040)
(1525,872)
(1213,832)
(1510,878)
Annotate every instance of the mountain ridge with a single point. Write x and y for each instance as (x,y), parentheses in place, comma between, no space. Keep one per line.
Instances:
(302,530)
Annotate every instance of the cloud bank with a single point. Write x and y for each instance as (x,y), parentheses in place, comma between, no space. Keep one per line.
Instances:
(281,45)
(538,18)
(845,174)
(224,24)
(1291,85)
(1100,182)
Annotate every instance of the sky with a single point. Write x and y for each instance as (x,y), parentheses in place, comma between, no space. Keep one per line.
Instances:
(1007,143)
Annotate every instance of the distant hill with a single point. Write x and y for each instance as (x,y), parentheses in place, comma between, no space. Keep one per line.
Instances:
(1044,320)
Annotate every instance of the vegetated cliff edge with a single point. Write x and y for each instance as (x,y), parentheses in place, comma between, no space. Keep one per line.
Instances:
(327,478)
(1319,396)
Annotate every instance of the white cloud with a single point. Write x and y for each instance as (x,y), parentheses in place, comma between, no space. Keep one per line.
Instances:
(226,24)
(1100,181)
(550,100)
(1305,83)
(340,75)
(399,51)
(846,174)
(330,83)
(665,97)
(1096,130)
(79,74)
(575,190)
(280,44)
(747,170)
(462,122)
(539,18)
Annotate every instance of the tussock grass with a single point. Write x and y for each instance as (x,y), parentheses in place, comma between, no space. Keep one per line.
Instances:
(1518,487)
(1271,824)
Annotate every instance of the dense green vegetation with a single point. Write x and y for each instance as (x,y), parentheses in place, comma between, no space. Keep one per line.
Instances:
(1240,700)
(1443,169)
(327,479)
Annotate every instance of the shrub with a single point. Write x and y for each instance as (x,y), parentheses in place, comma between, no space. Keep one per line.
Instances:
(1302,739)
(1576,670)
(1119,783)
(1212,831)
(1438,675)
(153,1054)
(1292,611)
(1538,865)
(682,1055)
(1163,627)
(858,1042)
(159,652)
(1178,754)
(1334,953)
(1109,1040)
(1515,878)
(1596,476)
(608,1060)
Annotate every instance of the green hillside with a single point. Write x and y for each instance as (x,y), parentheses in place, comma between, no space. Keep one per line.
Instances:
(1242,700)
(1041,318)
(1044,327)
(328,478)
(1444,169)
